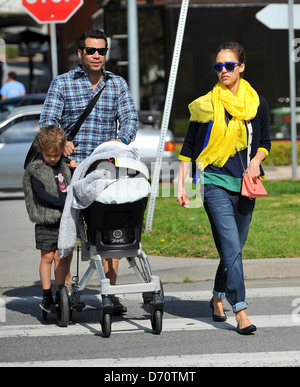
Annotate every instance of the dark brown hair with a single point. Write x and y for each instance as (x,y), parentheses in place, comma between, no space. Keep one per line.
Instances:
(236,48)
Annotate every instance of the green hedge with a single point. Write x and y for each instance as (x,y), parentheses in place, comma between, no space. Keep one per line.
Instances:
(12,51)
(281,153)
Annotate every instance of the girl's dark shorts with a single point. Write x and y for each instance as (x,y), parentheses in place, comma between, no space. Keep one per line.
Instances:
(46,236)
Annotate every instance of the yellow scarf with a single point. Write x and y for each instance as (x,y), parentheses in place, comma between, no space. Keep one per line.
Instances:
(225,140)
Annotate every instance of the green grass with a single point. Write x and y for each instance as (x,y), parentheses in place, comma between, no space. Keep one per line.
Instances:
(274,230)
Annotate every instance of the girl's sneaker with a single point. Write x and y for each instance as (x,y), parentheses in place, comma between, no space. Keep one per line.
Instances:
(118,308)
(48,304)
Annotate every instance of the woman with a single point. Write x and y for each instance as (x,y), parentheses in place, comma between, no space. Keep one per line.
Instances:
(217,142)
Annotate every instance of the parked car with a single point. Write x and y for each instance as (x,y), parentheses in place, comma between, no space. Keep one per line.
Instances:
(28,99)
(17,131)
(19,126)
(147,142)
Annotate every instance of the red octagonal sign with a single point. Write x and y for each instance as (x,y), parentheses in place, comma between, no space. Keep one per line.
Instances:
(52,11)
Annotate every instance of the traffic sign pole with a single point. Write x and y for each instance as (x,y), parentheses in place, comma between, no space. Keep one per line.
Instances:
(54,50)
(287,17)
(292,92)
(133,52)
(167,112)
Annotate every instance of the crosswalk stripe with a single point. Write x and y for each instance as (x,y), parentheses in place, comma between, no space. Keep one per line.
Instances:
(169,324)
(261,359)
(137,325)
(129,325)
(290,291)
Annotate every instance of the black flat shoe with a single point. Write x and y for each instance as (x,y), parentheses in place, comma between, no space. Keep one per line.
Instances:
(215,317)
(246,331)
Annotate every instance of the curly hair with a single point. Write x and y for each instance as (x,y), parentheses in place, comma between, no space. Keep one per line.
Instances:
(51,137)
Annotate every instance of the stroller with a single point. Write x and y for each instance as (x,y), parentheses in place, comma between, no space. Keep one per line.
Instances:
(113,227)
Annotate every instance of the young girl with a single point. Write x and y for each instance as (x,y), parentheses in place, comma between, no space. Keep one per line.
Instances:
(45,188)
(217,139)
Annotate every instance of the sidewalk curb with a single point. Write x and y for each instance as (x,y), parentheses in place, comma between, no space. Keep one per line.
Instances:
(22,269)
(178,270)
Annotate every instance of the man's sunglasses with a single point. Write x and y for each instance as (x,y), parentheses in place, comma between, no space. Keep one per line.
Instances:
(92,50)
(229,66)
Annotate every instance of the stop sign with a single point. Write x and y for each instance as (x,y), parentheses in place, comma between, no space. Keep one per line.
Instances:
(52,11)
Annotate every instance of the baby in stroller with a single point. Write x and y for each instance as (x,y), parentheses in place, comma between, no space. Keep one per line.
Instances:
(110,190)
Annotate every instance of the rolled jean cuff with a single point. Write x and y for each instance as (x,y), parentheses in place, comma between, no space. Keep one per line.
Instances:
(218,294)
(239,306)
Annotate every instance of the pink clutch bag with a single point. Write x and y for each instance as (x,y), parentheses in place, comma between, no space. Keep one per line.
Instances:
(252,190)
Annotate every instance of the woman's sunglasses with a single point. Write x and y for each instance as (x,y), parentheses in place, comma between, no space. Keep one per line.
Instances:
(92,50)
(229,66)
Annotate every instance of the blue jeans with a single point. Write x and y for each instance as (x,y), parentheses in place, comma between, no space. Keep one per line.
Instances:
(230,215)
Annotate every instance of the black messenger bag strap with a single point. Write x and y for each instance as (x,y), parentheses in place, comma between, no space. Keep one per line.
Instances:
(33,152)
(83,116)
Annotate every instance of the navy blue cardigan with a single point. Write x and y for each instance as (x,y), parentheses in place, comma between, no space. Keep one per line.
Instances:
(195,138)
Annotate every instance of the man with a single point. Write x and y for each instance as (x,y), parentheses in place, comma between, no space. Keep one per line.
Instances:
(69,95)
(12,88)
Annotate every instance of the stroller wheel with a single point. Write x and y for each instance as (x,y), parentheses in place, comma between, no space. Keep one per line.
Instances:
(106,325)
(62,306)
(156,322)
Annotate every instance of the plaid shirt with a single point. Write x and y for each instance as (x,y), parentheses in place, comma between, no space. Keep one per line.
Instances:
(69,95)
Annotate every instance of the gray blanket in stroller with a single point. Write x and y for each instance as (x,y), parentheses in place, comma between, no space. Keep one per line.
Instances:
(84,190)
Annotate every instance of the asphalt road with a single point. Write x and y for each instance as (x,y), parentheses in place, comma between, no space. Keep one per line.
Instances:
(189,337)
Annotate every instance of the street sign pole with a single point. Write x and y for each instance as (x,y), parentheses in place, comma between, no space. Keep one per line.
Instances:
(167,112)
(54,50)
(292,91)
(286,17)
(133,52)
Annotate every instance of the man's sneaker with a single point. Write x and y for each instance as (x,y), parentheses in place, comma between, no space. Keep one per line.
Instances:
(48,305)
(118,308)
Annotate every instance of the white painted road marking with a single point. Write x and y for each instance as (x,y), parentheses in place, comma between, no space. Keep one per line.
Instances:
(261,359)
(131,326)
(138,325)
